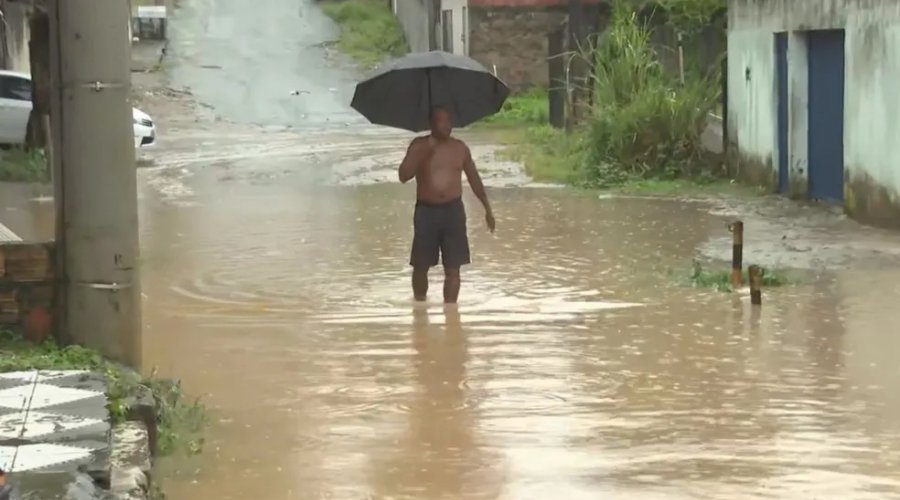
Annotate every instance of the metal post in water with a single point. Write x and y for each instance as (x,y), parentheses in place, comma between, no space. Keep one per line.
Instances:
(737,254)
(756,274)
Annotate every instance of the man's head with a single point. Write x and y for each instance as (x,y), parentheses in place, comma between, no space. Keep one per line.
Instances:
(440,123)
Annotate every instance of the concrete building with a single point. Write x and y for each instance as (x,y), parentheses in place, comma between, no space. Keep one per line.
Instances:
(509,35)
(813,101)
(15,33)
(419,23)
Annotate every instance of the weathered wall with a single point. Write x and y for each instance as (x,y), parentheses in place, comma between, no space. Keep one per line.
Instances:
(27,281)
(17,35)
(798,116)
(414,18)
(515,40)
(871,102)
(751,100)
(871,125)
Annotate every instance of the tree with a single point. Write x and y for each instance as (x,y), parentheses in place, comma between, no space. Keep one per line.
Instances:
(689,17)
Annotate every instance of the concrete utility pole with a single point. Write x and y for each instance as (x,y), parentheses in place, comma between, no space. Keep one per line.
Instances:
(95,178)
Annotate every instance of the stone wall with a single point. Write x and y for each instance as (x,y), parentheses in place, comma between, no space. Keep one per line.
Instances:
(27,282)
(515,40)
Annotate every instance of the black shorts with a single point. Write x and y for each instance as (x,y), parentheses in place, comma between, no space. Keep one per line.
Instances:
(440,229)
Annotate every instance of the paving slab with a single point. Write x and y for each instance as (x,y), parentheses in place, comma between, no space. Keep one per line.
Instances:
(54,433)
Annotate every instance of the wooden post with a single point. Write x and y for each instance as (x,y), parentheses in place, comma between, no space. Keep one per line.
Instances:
(577,73)
(556,67)
(724,77)
(755,285)
(737,254)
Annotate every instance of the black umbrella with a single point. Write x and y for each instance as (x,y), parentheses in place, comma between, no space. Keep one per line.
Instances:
(403,92)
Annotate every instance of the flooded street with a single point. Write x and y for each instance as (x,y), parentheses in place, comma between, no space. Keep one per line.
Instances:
(274,248)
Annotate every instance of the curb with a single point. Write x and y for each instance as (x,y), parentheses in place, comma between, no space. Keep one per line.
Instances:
(130,461)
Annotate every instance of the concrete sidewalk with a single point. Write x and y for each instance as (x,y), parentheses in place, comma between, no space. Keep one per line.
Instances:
(57,441)
(54,432)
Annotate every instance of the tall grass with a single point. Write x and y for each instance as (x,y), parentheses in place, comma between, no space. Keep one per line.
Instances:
(644,122)
(369,31)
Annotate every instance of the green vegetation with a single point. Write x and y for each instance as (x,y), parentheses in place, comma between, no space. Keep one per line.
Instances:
(529,108)
(642,131)
(180,421)
(369,31)
(549,154)
(721,280)
(19,165)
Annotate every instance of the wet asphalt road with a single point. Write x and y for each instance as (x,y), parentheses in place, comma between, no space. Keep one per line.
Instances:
(245,61)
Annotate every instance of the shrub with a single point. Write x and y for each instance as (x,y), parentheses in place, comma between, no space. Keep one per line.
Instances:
(644,123)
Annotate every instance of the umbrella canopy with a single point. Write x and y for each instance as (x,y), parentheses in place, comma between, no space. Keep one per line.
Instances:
(403,92)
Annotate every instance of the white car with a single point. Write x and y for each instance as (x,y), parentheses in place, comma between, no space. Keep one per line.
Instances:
(15,107)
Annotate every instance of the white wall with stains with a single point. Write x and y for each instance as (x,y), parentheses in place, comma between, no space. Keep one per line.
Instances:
(872,102)
(751,94)
(798,112)
(871,99)
(413,16)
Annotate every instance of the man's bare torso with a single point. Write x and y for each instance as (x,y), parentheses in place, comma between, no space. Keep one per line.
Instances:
(439,179)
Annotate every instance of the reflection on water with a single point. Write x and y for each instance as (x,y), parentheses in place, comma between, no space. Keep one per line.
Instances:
(573,368)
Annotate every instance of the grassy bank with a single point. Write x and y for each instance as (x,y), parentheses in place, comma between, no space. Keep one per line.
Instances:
(370,33)
(528,109)
(17,165)
(180,421)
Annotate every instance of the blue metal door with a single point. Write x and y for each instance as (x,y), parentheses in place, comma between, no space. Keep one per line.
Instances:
(781,82)
(826,114)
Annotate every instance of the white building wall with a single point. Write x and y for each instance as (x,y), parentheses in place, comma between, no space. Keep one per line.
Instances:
(871,96)
(751,94)
(459,8)
(413,18)
(872,104)
(18,33)
(798,112)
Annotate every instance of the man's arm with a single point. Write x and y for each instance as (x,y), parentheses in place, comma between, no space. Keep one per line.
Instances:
(478,187)
(417,154)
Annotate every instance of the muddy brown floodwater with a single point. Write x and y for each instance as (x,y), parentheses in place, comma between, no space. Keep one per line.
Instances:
(576,366)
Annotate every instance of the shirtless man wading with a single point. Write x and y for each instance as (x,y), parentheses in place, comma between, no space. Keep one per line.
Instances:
(437,161)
